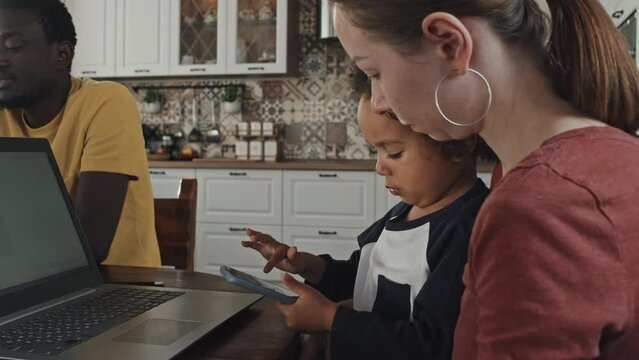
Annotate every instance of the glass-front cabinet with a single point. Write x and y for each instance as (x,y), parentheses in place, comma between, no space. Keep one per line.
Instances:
(198,40)
(257,37)
(155,38)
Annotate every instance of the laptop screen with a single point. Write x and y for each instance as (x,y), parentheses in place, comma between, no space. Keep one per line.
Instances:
(38,238)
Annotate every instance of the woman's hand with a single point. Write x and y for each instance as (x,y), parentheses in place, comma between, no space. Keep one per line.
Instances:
(312,312)
(282,256)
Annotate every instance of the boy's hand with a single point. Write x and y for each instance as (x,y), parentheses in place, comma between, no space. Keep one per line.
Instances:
(312,312)
(282,256)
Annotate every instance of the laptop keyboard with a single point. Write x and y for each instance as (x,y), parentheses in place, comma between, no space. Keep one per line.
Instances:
(68,326)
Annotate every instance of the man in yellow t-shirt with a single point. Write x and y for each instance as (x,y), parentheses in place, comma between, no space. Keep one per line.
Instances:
(93,127)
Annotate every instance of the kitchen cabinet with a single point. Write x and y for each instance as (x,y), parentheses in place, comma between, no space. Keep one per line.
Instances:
(153,38)
(258,37)
(333,198)
(620,10)
(166,182)
(240,196)
(198,37)
(220,244)
(142,38)
(94,22)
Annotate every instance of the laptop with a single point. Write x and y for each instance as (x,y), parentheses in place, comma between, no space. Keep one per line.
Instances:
(53,302)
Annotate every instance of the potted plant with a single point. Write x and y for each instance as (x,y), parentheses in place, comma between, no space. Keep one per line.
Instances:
(152,102)
(231,99)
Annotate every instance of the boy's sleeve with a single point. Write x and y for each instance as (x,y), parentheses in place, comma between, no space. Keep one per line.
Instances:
(339,277)
(365,335)
(114,141)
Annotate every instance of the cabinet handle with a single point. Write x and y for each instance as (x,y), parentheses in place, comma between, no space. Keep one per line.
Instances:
(140,71)
(237,174)
(617,14)
(197,70)
(328,175)
(89,72)
(256,68)
(327,232)
(237,229)
(154,172)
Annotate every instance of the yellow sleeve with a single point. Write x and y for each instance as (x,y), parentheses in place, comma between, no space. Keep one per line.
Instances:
(114,141)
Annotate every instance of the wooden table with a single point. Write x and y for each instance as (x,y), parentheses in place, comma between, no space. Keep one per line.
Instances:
(258,332)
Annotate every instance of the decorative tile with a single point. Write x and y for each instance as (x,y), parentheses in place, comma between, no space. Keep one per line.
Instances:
(272,90)
(314,111)
(336,134)
(315,151)
(293,89)
(338,87)
(314,64)
(293,151)
(337,111)
(314,133)
(294,134)
(292,111)
(270,111)
(312,43)
(308,17)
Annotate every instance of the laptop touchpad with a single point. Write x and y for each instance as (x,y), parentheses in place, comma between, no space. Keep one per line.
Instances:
(158,331)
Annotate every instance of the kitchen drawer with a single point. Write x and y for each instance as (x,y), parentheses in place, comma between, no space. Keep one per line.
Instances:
(334,198)
(337,242)
(166,182)
(240,196)
(219,244)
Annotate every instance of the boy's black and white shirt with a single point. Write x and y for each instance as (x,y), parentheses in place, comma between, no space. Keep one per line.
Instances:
(395,267)
(405,282)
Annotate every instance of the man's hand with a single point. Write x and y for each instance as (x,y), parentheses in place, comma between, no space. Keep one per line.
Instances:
(312,312)
(282,256)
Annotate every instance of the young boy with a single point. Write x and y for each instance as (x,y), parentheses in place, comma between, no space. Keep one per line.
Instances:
(405,282)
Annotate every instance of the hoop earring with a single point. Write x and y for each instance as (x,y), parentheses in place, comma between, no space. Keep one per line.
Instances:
(449,120)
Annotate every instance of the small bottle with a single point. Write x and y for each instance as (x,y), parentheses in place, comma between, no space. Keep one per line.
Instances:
(243,128)
(241,150)
(256,128)
(256,151)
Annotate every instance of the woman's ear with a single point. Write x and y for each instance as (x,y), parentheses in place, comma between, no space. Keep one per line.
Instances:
(450,38)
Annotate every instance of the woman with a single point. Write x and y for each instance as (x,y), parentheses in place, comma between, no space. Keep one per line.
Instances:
(552,270)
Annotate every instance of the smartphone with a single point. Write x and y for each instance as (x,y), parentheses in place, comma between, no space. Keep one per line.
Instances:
(250,282)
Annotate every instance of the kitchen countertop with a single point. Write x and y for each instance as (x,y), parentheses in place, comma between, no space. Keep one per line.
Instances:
(334,165)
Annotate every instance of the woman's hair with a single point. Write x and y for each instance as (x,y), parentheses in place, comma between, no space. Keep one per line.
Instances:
(582,52)
(453,149)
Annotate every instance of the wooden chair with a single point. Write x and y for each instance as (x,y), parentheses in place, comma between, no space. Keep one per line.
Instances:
(175,226)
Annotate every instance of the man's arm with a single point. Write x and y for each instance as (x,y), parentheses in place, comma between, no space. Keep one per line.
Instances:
(99,200)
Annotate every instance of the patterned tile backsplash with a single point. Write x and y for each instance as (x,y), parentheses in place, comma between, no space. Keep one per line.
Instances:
(317,110)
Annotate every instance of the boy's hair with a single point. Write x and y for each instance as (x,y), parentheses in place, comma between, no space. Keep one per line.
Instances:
(450,149)
(56,20)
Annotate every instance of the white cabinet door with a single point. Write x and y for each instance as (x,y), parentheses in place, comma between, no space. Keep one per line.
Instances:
(620,10)
(319,198)
(142,38)
(384,200)
(258,43)
(94,22)
(219,244)
(198,37)
(166,182)
(337,242)
(240,196)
